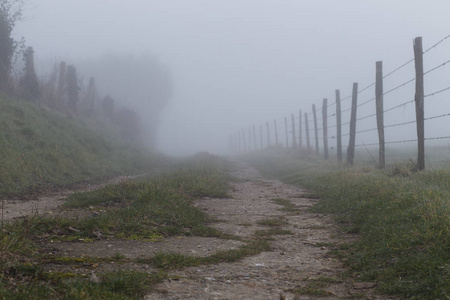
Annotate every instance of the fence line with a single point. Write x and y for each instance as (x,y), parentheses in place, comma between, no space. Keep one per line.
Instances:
(311,135)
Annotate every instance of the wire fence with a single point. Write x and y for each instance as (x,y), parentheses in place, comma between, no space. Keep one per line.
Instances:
(327,127)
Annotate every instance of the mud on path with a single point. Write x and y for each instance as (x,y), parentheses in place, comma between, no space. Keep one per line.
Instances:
(299,265)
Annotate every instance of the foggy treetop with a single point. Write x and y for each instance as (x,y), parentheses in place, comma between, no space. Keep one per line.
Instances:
(236,63)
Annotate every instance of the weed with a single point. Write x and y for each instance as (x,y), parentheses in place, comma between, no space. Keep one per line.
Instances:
(272,222)
(179,261)
(272,231)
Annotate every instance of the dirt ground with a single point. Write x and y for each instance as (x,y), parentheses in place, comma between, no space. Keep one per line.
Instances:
(298,267)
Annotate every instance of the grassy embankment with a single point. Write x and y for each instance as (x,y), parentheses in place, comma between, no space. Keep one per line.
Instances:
(401,217)
(40,149)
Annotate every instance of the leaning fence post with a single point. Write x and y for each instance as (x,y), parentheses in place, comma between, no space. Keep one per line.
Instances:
(268,134)
(338,126)
(300,129)
(287,132)
(325,128)
(244,141)
(307,133)
(276,132)
(419,96)
(294,139)
(351,143)
(380,117)
(261,136)
(254,138)
(316,133)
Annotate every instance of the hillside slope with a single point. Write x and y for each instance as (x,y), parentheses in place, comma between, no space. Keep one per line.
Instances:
(39,148)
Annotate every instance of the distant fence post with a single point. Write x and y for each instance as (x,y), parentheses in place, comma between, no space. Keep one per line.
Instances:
(239,142)
(380,117)
(307,133)
(325,128)
(254,138)
(261,137)
(268,134)
(419,96)
(244,141)
(316,133)
(249,139)
(276,132)
(294,138)
(338,126)
(287,131)
(300,129)
(351,143)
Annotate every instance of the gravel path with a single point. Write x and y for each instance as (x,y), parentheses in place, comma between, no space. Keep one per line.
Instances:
(299,265)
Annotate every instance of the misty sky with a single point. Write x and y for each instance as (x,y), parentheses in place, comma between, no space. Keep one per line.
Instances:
(238,63)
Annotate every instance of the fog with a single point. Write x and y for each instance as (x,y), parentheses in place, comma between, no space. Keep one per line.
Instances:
(235,64)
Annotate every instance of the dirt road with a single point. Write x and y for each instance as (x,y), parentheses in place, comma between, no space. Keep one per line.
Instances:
(299,265)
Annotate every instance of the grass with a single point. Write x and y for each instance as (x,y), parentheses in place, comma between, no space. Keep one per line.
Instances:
(41,149)
(272,222)
(179,261)
(287,205)
(272,231)
(402,219)
(148,208)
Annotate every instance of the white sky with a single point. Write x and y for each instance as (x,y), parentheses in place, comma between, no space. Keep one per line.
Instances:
(239,63)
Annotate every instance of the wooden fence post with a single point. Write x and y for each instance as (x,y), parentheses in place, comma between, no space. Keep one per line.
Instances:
(239,142)
(249,139)
(325,128)
(268,134)
(276,132)
(286,127)
(380,116)
(261,137)
(308,145)
(338,126)
(300,129)
(351,142)
(244,141)
(316,133)
(294,138)
(418,98)
(254,138)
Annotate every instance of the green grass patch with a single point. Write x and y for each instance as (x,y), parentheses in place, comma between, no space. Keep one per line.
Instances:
(272,231)
(272,222)
(402,219)
(40,149)
(170,261)
(288,206)
(149,208)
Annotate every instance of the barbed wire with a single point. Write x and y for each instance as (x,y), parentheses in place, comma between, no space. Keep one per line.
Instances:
(368,101)
(399,68)
(398,106)
(437,67)
(399,86)
(437,92)
(400,124)
(437,117)
(366,117)
(437,138)
(367,130)
(435,45)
